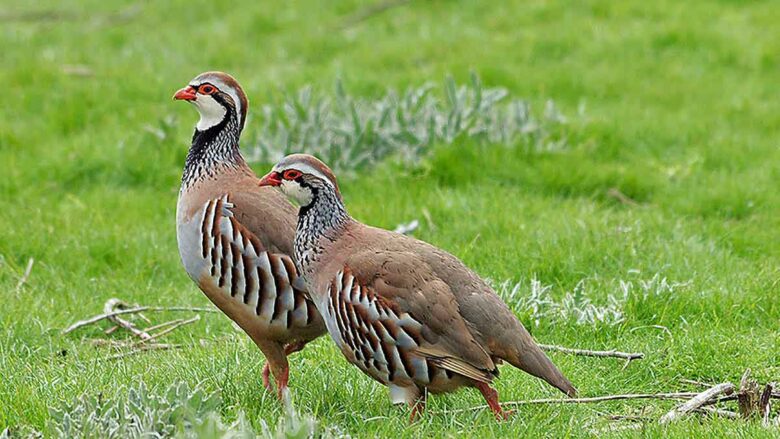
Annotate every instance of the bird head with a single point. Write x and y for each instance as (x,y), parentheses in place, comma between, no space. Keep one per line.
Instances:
(302,177)
(217,96)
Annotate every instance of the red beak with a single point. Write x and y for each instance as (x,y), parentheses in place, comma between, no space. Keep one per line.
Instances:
(185,94)
(271,179)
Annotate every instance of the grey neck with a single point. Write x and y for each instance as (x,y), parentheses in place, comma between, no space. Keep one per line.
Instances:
(321,221)
(212,150)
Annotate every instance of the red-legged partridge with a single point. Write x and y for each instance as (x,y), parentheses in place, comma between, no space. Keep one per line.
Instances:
(408,314)
(235,238)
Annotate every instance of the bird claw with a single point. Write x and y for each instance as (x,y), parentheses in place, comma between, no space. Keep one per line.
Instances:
(504,415)
(491,397)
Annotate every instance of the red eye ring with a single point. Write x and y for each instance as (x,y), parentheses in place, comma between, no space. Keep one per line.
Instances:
(291,174)
(207,89)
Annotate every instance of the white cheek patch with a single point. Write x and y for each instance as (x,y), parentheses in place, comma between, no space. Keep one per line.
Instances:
(294,190)
(221,86)
(211,112)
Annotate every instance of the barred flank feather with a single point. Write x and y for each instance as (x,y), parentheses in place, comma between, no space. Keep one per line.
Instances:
(255,278)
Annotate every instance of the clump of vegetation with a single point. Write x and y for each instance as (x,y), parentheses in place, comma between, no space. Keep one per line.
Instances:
(180,411)
(351,132)
(579,306)
(141,413)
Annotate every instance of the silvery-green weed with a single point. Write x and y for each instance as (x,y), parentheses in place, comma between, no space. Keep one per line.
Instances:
(179,411)
(580,306)
(352,132)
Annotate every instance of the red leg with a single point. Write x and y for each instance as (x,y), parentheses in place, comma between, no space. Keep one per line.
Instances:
(491,396)
(292,348)
(418,407)
(281,382)
(289,348)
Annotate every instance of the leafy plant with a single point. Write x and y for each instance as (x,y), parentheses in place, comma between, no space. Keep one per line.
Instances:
(142,413)
(178,412)
(350,133)
(579,306)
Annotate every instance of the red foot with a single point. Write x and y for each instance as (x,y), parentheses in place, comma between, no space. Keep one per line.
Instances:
(281,383)
(491,396)
(289,348)
(418,408)
(267,377)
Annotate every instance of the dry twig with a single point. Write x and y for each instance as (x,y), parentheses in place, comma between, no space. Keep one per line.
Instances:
(748,395)
(717,412)
(111,306)
(589,353)
(614,428)
(427,215)
(26,274)
(631,418)
(108,315)
(143,348)
(168,330)
(765,404)
(111,343)
(661,327)
(621,197)
(39,16)
(370,11)
(593,399)
(163,325)
(112,311)
(77,70)
(697,401)
(35,16)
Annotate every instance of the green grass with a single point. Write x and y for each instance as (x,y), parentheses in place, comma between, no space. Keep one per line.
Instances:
(681,114)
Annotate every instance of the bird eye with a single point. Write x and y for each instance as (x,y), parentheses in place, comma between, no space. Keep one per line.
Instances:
(291,174)
(207,89)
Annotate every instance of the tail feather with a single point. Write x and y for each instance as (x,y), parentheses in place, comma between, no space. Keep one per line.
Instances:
(531,359)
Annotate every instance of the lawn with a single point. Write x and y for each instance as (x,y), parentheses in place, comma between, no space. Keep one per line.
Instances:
(661,202)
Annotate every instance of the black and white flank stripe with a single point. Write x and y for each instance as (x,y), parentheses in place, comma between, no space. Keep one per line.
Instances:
(240,267)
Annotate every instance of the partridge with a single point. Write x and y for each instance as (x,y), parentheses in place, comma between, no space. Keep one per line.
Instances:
(235,238)
(406,313)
